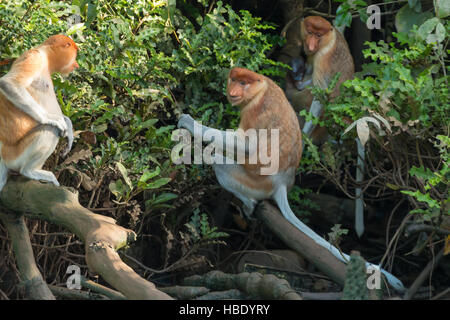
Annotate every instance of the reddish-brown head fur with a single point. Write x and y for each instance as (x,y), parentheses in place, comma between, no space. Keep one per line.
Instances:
(62,52)
(315,31)
(243,85)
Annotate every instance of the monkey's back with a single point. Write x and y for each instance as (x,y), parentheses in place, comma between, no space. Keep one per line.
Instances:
(275,112)
(337,60)
(290,136)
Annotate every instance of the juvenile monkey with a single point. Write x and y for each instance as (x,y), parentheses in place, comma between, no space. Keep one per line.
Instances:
(301,73)
(31,120)
(263,106)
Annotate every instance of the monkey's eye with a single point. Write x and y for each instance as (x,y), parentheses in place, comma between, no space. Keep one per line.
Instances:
(243,83)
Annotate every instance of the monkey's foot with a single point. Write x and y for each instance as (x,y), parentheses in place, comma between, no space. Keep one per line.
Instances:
(41,175)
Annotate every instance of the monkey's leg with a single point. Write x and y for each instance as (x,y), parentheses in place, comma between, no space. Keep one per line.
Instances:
(316,109)
(3,174)
(69,134)
(235,179)
(225,176)
(40,145)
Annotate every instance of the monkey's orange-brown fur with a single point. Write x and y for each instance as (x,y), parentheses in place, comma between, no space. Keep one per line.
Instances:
(31,120)
(14,123)
(327,51)
(14,126)
(264,106)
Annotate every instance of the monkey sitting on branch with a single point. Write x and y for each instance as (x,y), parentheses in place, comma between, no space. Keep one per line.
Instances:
(268,128)
(31,120)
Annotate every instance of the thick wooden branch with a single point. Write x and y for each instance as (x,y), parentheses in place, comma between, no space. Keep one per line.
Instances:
(35,286)
(100,234)
(265,286)
(301,243)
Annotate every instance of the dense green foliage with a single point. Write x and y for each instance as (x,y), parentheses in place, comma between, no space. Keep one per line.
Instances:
(145,62)
(404,94)
(142,63)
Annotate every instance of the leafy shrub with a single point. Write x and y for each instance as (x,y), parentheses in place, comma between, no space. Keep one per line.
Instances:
(405,87)
(225,39)
(140,61)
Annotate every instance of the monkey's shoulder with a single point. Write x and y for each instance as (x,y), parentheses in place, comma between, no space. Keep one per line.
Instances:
(31,60)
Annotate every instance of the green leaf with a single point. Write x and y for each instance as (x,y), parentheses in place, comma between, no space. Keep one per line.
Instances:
(442,8)
(124,173)
(427,27)
(440,32)
(91,13)
(75,28)
(165,197)
(422,198)
(149,174)
(158,183)
(116,188)
(412,3)
(421,172)
(406,17)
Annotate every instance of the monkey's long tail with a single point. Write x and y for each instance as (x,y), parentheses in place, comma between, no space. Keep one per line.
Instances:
(280,198)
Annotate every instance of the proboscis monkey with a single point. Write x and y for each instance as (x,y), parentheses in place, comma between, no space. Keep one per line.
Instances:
(264,109)
(31,120)
(327,54)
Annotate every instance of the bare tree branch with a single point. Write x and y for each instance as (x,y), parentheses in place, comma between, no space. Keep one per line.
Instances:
(35,286)
(301,243)
(100,234)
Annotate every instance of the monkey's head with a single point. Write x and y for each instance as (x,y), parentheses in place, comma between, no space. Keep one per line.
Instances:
(315,32)
(62,52)
(243,85)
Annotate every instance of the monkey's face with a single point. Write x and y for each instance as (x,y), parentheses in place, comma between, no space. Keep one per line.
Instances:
(314,30)
(242,86)
(62,53)
(235,91)
(68,57)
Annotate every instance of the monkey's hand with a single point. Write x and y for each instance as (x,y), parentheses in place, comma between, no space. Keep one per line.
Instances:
(301,85)
(69,135)
(58,122)
(187,122)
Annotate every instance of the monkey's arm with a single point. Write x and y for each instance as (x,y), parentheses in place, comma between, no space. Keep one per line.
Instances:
(315,109)
(69,136)
(229,140)
(301,85)
(13,87)
(300,71)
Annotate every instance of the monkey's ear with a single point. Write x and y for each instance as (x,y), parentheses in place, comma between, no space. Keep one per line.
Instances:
(67,44)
